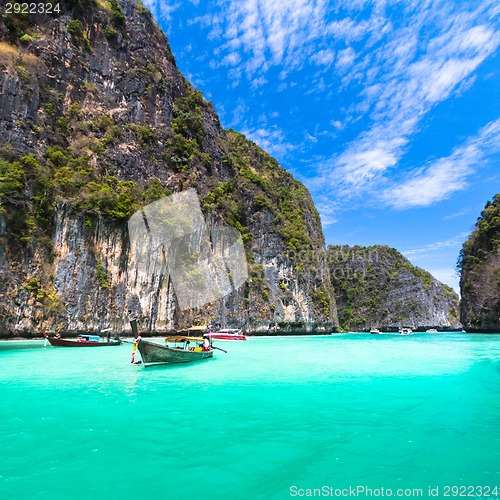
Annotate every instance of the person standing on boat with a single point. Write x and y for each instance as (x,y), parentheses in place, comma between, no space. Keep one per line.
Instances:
(206,343)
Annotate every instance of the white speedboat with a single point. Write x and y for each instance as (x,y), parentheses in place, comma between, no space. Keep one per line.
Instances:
(406,331)
(227,334)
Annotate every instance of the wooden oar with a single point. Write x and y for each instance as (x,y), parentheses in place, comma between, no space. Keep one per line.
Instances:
(219,349)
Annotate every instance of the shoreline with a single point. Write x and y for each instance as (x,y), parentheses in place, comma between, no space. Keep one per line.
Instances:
(256,335)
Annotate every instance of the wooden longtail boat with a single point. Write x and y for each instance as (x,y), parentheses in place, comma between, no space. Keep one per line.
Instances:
(153,352)
(82,341)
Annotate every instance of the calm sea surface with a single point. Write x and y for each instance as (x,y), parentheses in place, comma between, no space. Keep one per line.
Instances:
(272,417)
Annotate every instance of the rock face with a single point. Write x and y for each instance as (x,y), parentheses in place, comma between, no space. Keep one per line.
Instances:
(479,263)
(96,122)
(377,287)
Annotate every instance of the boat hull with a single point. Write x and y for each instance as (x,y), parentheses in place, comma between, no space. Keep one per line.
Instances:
(226,336)
(74,343)
(151,352)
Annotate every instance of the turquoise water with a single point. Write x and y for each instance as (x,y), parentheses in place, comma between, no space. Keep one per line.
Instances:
(271,417)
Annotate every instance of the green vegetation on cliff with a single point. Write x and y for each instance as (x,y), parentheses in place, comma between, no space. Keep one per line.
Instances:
(479,266)
(263,186)
(75,161)
(484,240)
(378,287)
(97,122)
(60,176)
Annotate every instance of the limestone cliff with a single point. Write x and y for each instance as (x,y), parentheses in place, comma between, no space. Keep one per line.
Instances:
(377,287)
(479,263)
(96,121)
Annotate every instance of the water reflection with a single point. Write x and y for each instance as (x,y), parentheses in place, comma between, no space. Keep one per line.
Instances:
(14,345)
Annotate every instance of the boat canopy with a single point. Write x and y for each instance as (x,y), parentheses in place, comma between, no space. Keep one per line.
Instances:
(183,339)
(92,338)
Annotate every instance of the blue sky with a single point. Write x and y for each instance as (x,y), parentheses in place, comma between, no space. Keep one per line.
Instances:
(388,111)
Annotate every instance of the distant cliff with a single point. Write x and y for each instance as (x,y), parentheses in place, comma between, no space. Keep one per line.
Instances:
(96,121)
(377,287)
(479,263)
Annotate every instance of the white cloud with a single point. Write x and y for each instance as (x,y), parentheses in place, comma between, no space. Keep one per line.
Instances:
(271,33)
(258,82)
(435,246)
(271,139)
(327,220)
(397,66)
(162,9)
(323,58)
(447,175)
(448,276)
(327,210)
(433,258)
(443,76)
(336,124)
(454,215)
(399,85)
(345,59)
(231,59)
(239,111)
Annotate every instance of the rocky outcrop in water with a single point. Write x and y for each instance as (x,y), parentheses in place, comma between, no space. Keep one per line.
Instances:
(96,122)
(479,263)
(377,287)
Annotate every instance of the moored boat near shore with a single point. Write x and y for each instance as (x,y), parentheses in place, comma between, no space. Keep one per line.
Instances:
(227,334)
(406,331)
(217,333)
(82,341)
